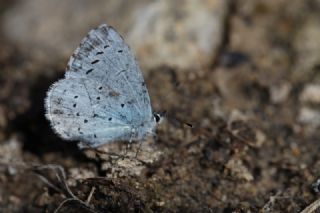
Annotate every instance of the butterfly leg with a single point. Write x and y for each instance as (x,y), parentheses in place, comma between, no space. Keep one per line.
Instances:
(139,149)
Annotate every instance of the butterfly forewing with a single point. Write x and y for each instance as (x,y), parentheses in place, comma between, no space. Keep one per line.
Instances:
(105,57)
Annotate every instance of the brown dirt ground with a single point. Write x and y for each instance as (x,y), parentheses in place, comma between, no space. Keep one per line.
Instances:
(245,153)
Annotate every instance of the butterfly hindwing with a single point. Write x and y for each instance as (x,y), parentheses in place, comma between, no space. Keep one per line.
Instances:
(76,115)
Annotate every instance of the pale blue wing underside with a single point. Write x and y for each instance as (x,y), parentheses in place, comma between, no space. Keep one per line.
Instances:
(105,57)
(77,116)
(103,94)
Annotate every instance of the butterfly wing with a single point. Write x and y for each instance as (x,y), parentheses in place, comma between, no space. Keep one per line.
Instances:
(75,113)
(103,56)
(103,94)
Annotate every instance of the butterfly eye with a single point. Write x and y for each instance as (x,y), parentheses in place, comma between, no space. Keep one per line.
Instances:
(157,117)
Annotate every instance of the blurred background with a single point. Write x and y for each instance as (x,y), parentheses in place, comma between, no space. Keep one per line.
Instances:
(244,73)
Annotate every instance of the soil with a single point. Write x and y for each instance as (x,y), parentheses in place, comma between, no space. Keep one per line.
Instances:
(234,139)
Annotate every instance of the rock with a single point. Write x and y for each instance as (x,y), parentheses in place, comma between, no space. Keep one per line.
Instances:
(307,46)
(260,138)
(51,30)
(11,151)
(310,98)
(119,160)
(11,156)
(309,116)
(311,94)
(77,173)
(183,34)
(280,93)
(238,170)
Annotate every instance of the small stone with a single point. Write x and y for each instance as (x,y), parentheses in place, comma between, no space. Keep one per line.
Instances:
(309,116)
(260,138)
(311,94)
(161,203)
(238,170)
(79,173)
(280,93)
(10,152)
(122,161)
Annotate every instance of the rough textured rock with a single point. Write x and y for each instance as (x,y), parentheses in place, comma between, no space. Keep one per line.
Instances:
(182,34)
(49,30)
(120,160)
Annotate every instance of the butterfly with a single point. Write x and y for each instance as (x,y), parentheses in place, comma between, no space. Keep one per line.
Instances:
(103,97)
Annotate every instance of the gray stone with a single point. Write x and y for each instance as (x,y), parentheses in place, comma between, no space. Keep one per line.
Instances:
(311,94)
(185,34)
(309,116)
(307,46)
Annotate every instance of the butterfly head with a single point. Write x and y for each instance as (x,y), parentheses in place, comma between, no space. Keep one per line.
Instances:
(158,116)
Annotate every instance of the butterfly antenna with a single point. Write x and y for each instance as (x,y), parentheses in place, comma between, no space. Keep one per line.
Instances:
(179,121)
(184,123)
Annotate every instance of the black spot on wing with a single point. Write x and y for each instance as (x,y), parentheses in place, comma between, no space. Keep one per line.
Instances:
(89,71)
(95,61)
